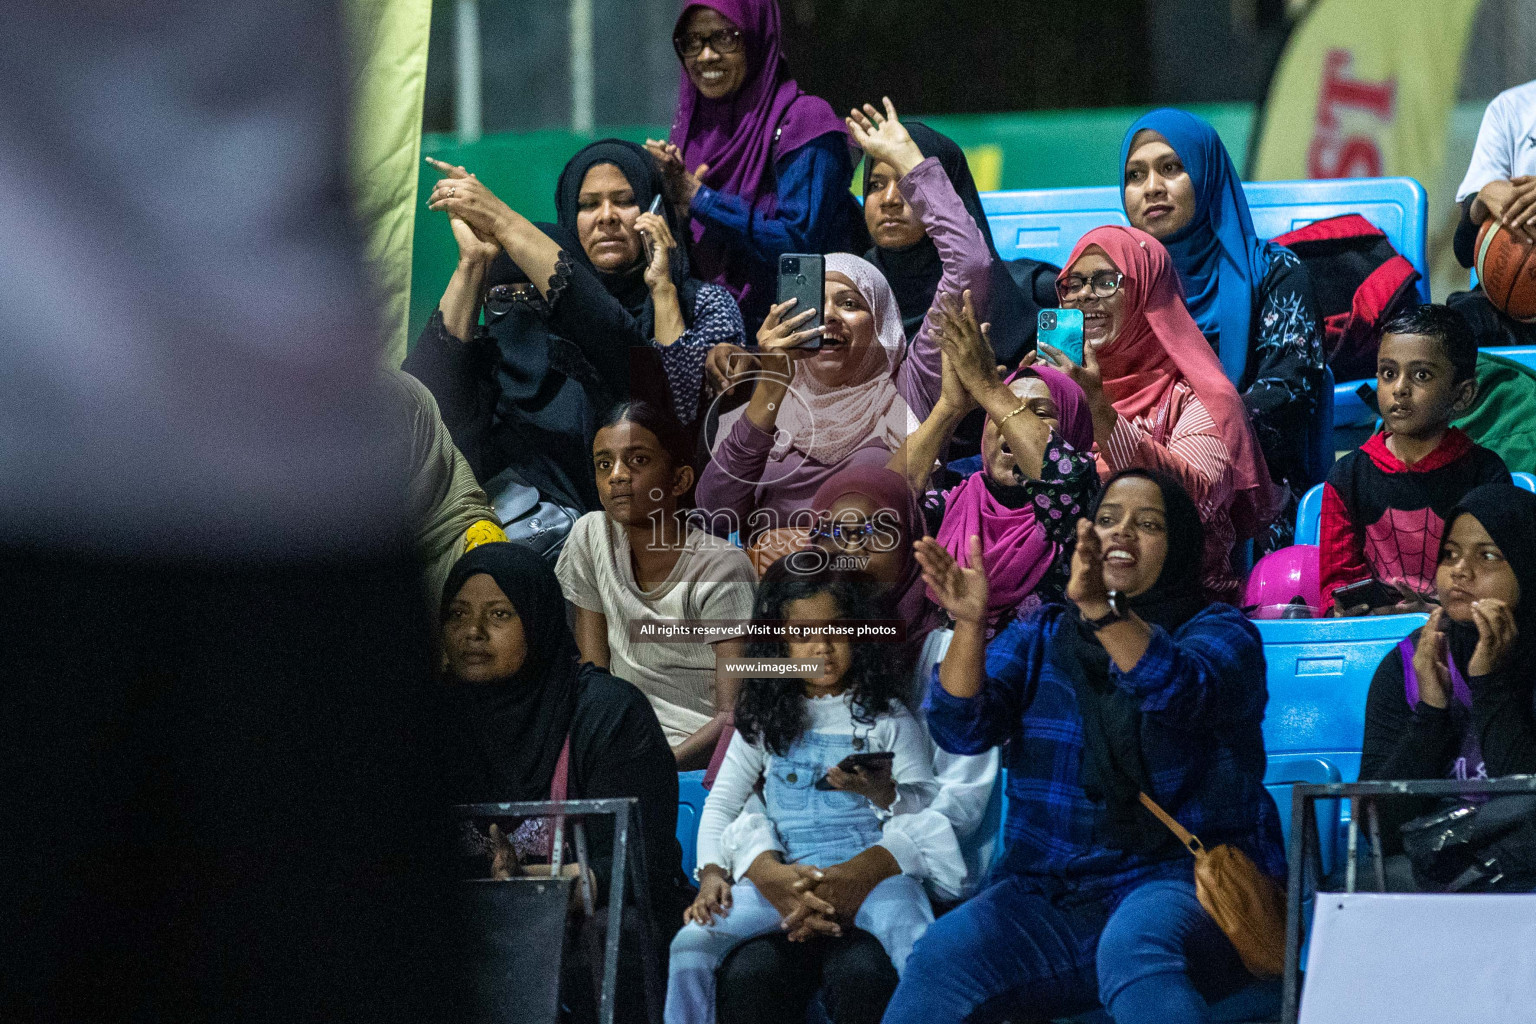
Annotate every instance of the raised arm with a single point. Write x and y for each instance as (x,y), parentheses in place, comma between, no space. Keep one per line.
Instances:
(464,197)
(812,199)
(977,699)
(922,448)
(962,250)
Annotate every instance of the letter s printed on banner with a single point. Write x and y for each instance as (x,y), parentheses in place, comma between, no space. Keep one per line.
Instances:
(1364,88)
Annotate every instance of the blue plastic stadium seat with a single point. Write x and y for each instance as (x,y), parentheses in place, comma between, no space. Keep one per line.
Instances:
(1318,674)
(1045,224)
(690,807)
(1284,771)
(1309,512)
(1524,355)
(1309,515)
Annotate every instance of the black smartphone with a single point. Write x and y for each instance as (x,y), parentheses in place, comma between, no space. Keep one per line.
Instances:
(855,761)
(1370,592)
(802,276)
(645,236)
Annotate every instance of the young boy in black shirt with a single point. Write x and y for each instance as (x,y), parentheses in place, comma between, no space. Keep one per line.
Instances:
(1384,505)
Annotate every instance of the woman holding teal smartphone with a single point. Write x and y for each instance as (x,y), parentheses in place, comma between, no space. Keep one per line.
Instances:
(1157,393)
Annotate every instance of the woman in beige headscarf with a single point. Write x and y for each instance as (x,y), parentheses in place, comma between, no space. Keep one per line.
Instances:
(448,511)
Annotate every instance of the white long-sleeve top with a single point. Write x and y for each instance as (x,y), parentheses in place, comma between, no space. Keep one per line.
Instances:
(745,763)
(950,844)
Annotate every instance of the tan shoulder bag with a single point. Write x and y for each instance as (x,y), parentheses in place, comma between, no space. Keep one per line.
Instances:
(1246,904)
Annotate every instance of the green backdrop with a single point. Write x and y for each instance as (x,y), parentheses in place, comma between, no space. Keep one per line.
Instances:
(1048,149)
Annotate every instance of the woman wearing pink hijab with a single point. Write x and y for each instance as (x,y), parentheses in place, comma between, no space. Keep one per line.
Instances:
(1157,393)
(814,412)
(763,168)
(1037,475)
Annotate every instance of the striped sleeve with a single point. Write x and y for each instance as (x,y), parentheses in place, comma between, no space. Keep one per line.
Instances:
(1195,455)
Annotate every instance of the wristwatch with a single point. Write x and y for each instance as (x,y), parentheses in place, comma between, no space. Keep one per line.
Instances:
(1118,612)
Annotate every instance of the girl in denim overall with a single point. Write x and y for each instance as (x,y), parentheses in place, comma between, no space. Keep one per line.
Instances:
(793,731)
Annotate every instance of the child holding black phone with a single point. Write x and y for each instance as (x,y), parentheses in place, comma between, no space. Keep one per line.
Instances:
(1384,504)
(792,732)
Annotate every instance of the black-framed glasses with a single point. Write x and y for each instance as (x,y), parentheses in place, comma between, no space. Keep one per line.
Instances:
(691,44)
(1104,284)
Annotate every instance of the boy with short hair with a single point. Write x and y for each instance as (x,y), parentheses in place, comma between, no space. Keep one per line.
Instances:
(1384,505)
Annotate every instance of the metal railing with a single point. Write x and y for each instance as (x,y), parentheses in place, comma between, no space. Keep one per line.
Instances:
(1305,857)
(628,859)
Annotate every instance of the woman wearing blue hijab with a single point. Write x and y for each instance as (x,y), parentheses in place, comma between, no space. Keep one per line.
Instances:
(1252,298)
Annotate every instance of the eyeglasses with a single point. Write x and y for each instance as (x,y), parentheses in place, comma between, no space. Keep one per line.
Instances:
(1104,283)
(500,299)
(691,44)
(846,537)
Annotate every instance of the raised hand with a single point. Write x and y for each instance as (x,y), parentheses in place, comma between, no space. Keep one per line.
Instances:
(658,272)
(463,196)
(883,137)
(681,186)
(1086,587)
(960,592)
(954,399)
(954,328)
(781,340)
(1090,378)
(728,364)
(474,248)
(1429,663)
(1496,634)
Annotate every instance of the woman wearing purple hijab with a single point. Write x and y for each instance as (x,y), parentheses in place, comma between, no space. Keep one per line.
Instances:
(763,168)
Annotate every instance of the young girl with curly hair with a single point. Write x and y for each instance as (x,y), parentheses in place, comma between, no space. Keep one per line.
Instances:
(792,733)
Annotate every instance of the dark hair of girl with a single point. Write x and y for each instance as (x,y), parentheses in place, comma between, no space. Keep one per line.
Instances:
(661,422)
(771,711)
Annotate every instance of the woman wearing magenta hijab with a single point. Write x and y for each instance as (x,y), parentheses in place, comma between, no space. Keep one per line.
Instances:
(1037,473)
(1252,299)
(1157,394)
(762,167)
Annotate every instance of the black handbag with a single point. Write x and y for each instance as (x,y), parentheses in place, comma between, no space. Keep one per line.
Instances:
(1475,847)
(527,517)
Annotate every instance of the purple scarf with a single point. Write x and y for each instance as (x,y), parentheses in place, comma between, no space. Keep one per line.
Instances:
(888,490)
(1014,547)
(736,136)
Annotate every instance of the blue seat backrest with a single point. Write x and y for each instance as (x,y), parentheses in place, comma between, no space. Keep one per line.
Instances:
(1045,224)
(690,808)
(1524,355)
(1309,512)
(1318,674)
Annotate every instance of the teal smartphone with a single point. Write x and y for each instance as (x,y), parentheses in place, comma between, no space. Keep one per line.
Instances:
(1062,329)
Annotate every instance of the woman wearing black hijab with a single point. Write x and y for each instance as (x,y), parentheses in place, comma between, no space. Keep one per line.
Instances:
(1456,699)
(1135,684)
(578,318)
(518,698)
(910,261)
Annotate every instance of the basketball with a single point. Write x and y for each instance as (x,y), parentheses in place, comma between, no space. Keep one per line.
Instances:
(1506,272)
